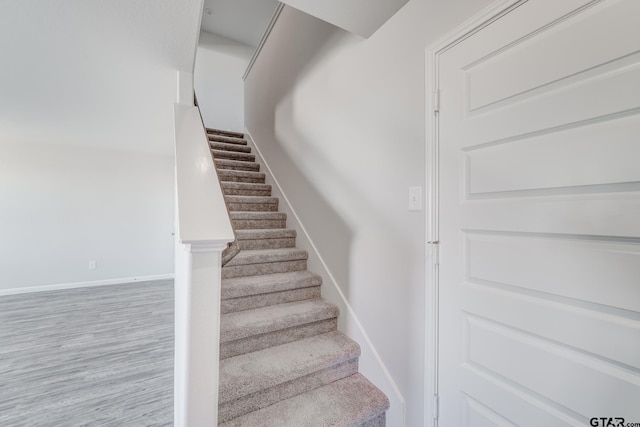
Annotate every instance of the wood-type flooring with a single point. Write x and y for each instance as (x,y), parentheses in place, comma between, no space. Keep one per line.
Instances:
(95,356)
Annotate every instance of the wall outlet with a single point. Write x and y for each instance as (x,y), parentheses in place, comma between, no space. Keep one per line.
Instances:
(92,265)
(415,198)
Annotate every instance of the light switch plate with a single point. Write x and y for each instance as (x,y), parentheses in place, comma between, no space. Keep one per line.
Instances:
(415,198)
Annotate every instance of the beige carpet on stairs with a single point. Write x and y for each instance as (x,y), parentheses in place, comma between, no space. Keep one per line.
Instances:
(283,361)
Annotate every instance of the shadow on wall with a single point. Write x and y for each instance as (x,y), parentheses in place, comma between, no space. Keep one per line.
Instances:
(343,165)
(283,147)
(331,202)
(330,174)
(327,227)
(336,212)
(356,237)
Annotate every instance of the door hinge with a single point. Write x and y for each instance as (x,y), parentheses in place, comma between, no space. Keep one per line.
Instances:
(436,100)
(436,406)
(434,251)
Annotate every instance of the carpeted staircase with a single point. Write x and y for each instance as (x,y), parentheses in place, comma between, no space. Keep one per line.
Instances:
(283,361)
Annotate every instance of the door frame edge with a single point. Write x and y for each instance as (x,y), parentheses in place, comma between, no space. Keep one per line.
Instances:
(484,17)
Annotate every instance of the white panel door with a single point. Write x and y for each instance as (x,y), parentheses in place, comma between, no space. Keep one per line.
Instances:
(539,210)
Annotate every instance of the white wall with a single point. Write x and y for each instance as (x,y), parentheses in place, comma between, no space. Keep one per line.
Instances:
(86,137)
(220,64)
(61,207)
(341,122)
(76,68)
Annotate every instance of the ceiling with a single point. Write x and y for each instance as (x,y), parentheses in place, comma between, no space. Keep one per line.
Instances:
(241,20)
(362,17)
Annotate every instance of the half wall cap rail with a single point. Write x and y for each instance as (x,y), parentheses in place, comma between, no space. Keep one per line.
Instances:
(233,248)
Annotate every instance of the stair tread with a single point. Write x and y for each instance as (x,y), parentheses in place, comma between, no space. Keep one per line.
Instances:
(252,372)
(230,175)
(218,145)
(245,185)
(224,131)
(222,154)
(260,256)
(230,133)
(250,199)
(257,215)
(347,402)
(257,321)
(255,190)
(230,164)
(265,233)
(238,287)
(226,139)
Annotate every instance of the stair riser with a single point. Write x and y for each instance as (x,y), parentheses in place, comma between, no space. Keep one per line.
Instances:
(264,398)
(242,192)
(232,305)
(265,268)
(253,207)
(230,147)
(249,224)
(242,157)
(239,166)
(267,243)
(239,176)
(272,339)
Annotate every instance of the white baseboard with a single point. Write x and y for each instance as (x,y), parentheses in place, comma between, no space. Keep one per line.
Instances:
(399,398)
(61,286)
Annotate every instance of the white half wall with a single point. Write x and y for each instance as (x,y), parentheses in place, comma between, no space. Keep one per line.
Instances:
(220,64)
(340,121)
(62,207)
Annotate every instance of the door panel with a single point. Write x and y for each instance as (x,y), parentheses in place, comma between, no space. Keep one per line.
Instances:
(489,79)
(596,153)
(565,266)
(539,211)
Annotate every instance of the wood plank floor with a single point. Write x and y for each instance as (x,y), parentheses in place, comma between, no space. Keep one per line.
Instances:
(100,356)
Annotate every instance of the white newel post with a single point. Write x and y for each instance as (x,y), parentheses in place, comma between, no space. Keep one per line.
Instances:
(197,352)
(203,229)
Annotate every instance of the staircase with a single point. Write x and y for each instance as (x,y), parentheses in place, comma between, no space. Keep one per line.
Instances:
(283,361)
